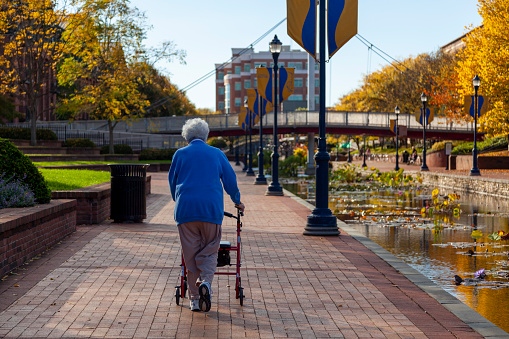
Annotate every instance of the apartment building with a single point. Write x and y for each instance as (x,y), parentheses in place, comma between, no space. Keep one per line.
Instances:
(234,78)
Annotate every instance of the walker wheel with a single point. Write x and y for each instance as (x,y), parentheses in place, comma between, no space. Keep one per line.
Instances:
(177,295)
(241,296)
(185,287)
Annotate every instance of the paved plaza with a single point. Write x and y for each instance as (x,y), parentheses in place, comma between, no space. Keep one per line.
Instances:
(118,281)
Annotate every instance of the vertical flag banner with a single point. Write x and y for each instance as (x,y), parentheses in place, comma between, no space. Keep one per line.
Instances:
(266,107)
(252,104)
(243,118)
(341,23)
(482,104)
(264,82)
(286,82)
(393,125)
(430,115)
(301,23)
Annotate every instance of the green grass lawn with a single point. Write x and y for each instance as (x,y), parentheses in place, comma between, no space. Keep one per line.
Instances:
(63,163)
(67,179)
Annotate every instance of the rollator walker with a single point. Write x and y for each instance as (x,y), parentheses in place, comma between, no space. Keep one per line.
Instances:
(223,259)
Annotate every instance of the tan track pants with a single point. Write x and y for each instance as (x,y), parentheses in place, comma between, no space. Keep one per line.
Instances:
(200,243)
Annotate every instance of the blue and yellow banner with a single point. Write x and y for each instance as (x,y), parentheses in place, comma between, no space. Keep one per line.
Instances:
(301,23)
(341,23)
(286,83)
(392,123)
(266,107)
(482,105)
(264,82)
(243,118)
(253,104)
(430,115)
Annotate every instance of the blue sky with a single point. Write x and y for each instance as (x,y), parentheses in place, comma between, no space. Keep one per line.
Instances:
(207,30)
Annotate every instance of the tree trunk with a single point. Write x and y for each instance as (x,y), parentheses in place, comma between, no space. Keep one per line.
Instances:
(33,121)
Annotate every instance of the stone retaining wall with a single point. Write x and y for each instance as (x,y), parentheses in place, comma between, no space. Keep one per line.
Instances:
(479,185)
(27,232)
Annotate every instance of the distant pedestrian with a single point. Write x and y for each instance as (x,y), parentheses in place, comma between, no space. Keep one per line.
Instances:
(197,176)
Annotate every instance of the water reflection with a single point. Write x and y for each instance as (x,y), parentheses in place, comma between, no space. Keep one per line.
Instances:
(439,248)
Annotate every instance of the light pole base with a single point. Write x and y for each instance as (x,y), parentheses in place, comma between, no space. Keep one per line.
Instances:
(474,172)
(250,173)
(274,190)
(260,181)
(424,168)
(321,222)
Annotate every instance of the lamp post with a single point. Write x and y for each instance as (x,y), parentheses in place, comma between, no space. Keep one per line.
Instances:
(260,179)
(397,111)
(245,154)
(322,222)
(424,98)
(364,153)
(475,170)
(249,172)
(275,188)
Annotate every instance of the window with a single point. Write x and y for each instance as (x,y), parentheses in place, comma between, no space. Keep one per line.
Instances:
(317,99)
(220,90)
(237,69)
(237,86)
(291,64)
(237,102)
(220,75)
(317,66)
(247,67)
(247,83)
(229,72)
(298,82)
(255,82)
(295,97)
(221,105)
(298,65)
(260,64)
(317,82)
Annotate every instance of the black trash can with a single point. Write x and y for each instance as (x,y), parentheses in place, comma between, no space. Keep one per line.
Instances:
(128,199)
(405,157)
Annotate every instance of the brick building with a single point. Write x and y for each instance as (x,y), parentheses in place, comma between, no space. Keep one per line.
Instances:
(232,79)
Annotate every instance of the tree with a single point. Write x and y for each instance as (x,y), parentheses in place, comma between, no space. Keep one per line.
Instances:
(32,44)
(106,61)
(402,82)
(486,54)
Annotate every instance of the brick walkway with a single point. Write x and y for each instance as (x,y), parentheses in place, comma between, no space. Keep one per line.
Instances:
(118,281)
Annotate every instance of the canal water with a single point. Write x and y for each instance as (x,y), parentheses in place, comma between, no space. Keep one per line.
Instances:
(441,246)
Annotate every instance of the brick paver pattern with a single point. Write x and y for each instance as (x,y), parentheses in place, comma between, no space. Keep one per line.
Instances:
(118,281)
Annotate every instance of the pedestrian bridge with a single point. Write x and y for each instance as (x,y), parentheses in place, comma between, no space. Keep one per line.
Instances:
(301,122)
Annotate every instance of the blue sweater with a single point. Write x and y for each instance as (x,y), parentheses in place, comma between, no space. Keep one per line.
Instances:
(195,178)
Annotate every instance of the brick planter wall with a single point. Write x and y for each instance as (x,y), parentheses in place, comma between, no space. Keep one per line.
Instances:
(27,232)
(93,202)
(436,159)
(464,162)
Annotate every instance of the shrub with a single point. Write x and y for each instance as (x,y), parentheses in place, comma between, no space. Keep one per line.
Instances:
(117,149)
(157,154)
(14,193)
(14,164)
(289,167)
(24,133)
(217,142)
(466,148)
(78,143)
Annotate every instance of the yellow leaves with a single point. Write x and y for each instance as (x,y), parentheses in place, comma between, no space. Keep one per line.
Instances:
(434,193)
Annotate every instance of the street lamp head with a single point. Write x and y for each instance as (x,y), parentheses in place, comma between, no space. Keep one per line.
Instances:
(424,98)
(275,45)
(476,81)
(396,110)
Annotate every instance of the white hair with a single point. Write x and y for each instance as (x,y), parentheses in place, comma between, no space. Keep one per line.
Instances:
(195,129)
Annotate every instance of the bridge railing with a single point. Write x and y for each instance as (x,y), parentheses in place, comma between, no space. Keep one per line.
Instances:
(173,125)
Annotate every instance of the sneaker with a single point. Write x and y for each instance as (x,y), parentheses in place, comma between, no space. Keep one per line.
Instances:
(205,299)
(195,305)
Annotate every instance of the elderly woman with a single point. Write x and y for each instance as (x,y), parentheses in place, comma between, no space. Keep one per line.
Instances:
(197,176)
